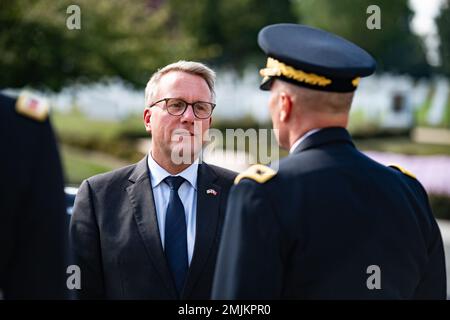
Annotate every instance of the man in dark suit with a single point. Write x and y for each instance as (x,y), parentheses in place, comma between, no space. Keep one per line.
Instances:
(331,223)
(151,230)
(32,205)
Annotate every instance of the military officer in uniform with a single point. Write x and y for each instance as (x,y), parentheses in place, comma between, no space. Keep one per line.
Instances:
(32,205)
(330,223)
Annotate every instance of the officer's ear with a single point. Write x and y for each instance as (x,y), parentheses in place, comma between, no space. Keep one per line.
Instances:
(147,117)
(285,104)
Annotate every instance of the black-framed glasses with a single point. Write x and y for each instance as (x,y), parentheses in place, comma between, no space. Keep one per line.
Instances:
(177,107)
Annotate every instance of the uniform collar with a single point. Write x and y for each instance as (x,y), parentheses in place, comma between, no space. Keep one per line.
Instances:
(324,136)
(158,173)
(303,137)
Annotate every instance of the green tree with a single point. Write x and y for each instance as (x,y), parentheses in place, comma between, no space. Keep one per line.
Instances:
(443,25)
(126,39)
(394,46)
(227,29)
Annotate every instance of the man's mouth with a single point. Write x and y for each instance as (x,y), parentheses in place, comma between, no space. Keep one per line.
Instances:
(184,133)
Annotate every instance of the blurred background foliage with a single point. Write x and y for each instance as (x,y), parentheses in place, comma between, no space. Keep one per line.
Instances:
(443,26)
(130,39)
(126,39)
(118,39)
(395,47)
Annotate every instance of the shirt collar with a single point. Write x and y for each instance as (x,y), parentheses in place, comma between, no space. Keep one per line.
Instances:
(303,137)
(158,173)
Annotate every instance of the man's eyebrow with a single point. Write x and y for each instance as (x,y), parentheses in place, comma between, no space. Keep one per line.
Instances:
(185,100)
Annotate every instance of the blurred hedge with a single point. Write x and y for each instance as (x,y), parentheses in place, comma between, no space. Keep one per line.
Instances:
(440,205)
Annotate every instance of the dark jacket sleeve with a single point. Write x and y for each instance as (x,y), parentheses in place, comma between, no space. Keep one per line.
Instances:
(37,266)
(85,244)
(249,264)
(50,201)
(433,284)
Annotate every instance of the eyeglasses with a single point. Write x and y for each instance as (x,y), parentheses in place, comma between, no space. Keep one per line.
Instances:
(177,107)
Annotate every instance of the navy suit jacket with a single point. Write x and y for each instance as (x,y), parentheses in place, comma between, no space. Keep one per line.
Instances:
(116,241)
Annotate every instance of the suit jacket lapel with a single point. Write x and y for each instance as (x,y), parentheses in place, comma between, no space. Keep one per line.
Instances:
(141,197)
(208,206)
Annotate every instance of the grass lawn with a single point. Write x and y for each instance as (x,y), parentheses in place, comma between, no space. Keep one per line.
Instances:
(79,165)
(76,124)
(446,120)
(422,112)
(401,145)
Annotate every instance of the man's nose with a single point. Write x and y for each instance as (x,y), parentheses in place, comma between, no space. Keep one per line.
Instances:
(188,115)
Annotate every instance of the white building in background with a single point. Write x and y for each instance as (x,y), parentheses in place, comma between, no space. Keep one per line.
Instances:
(382,101)
(238,97)
(385,101)
(113,100)
(439,103)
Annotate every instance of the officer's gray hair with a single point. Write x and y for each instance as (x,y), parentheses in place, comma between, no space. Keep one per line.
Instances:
(320,101)
(191,67)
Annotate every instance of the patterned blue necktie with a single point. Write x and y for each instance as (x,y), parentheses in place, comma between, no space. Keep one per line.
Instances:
(175,237)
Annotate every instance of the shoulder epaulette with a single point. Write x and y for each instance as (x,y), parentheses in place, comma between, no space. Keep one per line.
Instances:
(32,106)
(402,170)
(258,173)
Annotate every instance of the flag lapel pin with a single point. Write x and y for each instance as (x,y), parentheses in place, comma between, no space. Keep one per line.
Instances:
(211,191)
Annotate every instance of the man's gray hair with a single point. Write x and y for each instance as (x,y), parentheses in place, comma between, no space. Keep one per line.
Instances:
(191,67)
(319,101)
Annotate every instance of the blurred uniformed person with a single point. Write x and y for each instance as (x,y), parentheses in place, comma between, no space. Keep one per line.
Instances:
(32,205)
(331,223)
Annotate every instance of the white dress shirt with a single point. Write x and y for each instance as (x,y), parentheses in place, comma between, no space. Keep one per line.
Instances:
(303,137)
(187,193)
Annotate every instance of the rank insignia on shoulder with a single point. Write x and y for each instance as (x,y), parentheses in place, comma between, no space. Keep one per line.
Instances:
(258,173)
(32,106)
(402,170)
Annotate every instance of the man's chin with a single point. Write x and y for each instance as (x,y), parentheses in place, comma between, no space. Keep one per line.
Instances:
(185,152)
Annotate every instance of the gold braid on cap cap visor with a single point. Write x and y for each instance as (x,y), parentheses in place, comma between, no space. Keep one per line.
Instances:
(275,68)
